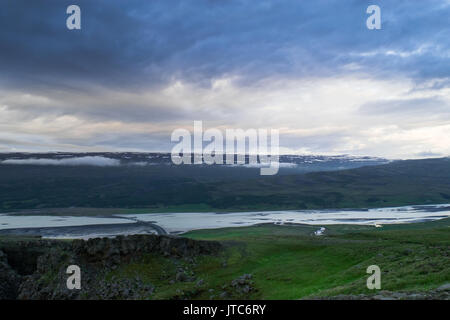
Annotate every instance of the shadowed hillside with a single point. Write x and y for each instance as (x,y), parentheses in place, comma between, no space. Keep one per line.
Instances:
(222,188)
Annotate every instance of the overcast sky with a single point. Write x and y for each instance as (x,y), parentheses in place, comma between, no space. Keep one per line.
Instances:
(137,70)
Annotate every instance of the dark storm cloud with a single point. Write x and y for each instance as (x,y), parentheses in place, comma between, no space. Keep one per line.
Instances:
(140,43)
(137,69)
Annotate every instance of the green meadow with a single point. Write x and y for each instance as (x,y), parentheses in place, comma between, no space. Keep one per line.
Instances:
(289,262)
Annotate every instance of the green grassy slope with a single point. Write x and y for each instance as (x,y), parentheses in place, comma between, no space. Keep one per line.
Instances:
(288,262)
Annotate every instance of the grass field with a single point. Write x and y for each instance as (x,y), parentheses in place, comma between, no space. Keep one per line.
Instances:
(289,262)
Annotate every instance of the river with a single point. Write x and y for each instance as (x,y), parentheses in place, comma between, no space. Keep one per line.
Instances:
(174,223)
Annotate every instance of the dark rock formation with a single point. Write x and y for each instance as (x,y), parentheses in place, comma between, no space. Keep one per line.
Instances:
(441,293)
(39,270)
(238,288)
(9,279)
(109,251)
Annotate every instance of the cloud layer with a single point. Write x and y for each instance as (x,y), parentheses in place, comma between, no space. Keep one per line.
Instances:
(76,161)
(139,69)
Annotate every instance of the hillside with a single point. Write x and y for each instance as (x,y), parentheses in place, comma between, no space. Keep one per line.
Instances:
(394,184)
(160,187)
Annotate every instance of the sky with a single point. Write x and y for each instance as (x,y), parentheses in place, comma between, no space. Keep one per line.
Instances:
(137,70)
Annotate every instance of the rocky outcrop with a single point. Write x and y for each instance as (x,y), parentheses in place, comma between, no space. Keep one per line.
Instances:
(239,288)
(9,279)
(44,276)
(110,251)
(441,293)
(22,255)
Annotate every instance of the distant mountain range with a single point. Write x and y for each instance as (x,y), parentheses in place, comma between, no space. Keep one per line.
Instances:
(289,163)
(158,185)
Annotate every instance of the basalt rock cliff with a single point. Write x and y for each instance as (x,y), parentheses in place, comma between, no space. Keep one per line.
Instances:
(37,269)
